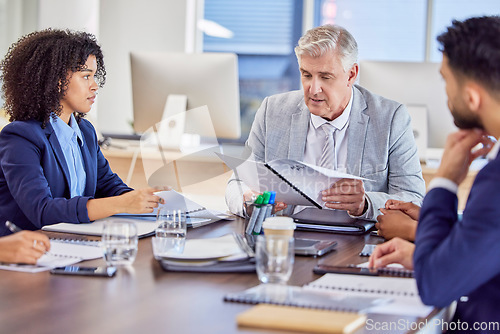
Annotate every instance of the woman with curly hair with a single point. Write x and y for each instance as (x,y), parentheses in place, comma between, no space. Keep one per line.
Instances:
(51,167)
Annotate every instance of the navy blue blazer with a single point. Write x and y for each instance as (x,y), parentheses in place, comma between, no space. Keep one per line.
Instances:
(455,258)
(34,177)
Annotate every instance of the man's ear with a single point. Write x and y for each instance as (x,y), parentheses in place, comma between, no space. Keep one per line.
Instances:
(473,96)
(353,74)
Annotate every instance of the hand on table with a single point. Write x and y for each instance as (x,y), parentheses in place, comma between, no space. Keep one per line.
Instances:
(394,251)
(395,223)
(408,208)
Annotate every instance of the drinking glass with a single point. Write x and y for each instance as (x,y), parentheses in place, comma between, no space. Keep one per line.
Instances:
(274,257)
(119,242)
(170,232)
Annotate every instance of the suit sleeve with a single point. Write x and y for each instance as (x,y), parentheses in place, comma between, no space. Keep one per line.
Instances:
(404,174)
(28,185)
(254,150)
(454,257)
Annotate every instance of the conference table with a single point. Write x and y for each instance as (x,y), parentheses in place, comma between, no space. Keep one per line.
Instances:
(143,298)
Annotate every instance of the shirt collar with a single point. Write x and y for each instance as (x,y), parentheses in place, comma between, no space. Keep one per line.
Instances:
(494,151)
(65,132)
(338,123)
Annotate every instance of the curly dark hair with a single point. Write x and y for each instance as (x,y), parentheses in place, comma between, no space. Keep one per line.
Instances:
(35,72)
(473,50)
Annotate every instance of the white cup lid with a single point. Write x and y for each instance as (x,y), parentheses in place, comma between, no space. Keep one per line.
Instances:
(279,223)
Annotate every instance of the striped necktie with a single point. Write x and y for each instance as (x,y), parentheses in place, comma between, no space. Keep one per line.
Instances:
(328,157)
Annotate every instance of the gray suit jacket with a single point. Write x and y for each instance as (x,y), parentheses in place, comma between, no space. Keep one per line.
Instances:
(380,142)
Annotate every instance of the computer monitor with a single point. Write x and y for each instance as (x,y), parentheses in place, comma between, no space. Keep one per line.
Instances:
(413,84)
(188,81)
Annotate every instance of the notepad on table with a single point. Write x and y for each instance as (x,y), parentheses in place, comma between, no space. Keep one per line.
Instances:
(401,292)
(300,319)
(144,227)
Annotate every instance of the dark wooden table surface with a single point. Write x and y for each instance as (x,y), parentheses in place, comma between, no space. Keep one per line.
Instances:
(145,299)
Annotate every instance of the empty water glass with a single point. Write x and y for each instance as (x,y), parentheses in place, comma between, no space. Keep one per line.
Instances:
(119,242)
(170,232)
(274,256)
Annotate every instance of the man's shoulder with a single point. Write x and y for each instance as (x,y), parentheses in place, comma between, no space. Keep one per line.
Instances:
(291,98)
(375,102)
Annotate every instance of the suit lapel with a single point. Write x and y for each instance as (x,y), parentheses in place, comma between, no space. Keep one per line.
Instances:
(56,147)
(356,138)
(298,132)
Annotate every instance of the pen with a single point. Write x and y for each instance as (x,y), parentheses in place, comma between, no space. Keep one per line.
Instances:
(12,227)
(255,214)
(262,213)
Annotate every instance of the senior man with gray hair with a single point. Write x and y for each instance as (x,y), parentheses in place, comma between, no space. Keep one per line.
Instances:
(337,124)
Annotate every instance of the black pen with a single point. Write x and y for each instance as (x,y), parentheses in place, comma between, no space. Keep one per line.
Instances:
(12,227)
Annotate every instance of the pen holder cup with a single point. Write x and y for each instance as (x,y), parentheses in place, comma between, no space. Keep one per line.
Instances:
(257,213)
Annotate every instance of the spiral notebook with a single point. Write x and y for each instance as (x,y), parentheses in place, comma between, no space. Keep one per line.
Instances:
(307,298)
(295,182)
(63,252)
(401,292)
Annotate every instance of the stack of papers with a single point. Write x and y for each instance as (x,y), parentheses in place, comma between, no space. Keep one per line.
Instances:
(220,254)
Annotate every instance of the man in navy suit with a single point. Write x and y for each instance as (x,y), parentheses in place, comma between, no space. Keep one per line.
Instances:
(458,259)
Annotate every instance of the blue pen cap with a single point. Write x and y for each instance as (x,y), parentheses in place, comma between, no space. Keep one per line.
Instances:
(273,197)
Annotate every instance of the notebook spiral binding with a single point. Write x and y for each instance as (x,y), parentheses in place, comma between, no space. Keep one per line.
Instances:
(374,291)
(293,186)
(255,301)
(396,272)
(95,243)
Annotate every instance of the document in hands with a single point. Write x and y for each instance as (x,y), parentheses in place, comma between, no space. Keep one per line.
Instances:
(295,182)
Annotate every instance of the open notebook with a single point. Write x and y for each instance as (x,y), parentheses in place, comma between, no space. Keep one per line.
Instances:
(62,253)
(402,293)
(341,292)
(294,182)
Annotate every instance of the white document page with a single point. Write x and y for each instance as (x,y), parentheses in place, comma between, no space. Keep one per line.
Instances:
(309,179)
(144,227)
(312,180)
(259,178)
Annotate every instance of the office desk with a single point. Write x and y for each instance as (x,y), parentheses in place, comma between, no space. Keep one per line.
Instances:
(146,299)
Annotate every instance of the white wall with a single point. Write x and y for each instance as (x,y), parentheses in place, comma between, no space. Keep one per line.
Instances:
(131,25)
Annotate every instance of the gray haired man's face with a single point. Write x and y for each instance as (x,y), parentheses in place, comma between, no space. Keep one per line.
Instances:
(327,86)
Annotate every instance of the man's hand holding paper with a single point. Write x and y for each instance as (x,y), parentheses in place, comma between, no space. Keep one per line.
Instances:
(346,194)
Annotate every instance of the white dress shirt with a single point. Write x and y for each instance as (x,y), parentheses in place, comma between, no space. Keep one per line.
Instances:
(315,141)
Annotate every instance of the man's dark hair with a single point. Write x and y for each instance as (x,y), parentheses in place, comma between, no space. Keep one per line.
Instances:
(473,50)
(35,71)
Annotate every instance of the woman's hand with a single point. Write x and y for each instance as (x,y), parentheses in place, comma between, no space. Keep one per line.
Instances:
(23,247)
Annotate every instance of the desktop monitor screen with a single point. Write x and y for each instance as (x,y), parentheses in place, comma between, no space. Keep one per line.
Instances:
(410,83)
(209,79)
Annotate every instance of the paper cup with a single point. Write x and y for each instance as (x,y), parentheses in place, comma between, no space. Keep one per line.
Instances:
(279,226)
